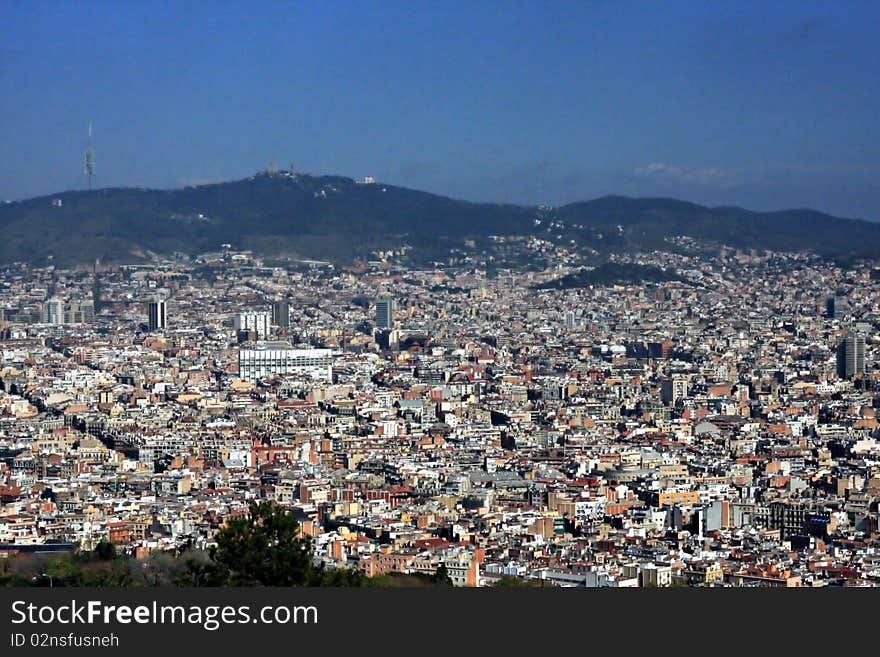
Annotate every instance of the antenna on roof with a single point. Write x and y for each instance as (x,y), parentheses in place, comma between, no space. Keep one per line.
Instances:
(90,159)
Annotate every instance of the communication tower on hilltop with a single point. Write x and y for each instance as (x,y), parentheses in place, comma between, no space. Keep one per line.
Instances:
(90,159)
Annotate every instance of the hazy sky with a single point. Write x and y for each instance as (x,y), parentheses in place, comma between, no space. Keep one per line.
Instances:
(761,104)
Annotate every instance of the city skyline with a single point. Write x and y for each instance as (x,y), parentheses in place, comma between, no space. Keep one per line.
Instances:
(470,424)
(298,298)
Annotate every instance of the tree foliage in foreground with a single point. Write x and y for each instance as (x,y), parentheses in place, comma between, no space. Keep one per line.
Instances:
(261,548)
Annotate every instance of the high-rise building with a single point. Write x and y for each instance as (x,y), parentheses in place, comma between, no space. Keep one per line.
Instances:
(80,312)
(851,355)
(281,313)
(88,311)
(836,307)
(570,319)
(158,315)
(256,321)
(280,358)
(673,389)
(53,311)
(385,312)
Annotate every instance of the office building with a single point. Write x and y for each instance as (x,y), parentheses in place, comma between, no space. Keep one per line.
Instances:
(269,359)
(80,312)
(851,355)
(673,389)
(53,311)
(158,315)
(836,307)
(385,312)
(256,321)
(281,313)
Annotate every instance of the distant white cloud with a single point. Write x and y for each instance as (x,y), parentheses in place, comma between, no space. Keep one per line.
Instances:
(663,172)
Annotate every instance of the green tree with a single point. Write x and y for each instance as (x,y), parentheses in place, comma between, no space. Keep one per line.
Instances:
(337,577)
(104,550)
(263,548)
(441,576)
(508,581)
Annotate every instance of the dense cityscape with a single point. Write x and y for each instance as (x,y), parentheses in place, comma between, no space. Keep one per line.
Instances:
(715,426)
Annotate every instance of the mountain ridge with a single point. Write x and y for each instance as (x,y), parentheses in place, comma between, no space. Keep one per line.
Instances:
(339,218)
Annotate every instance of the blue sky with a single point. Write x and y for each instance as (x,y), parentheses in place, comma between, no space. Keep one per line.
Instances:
(765,105)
